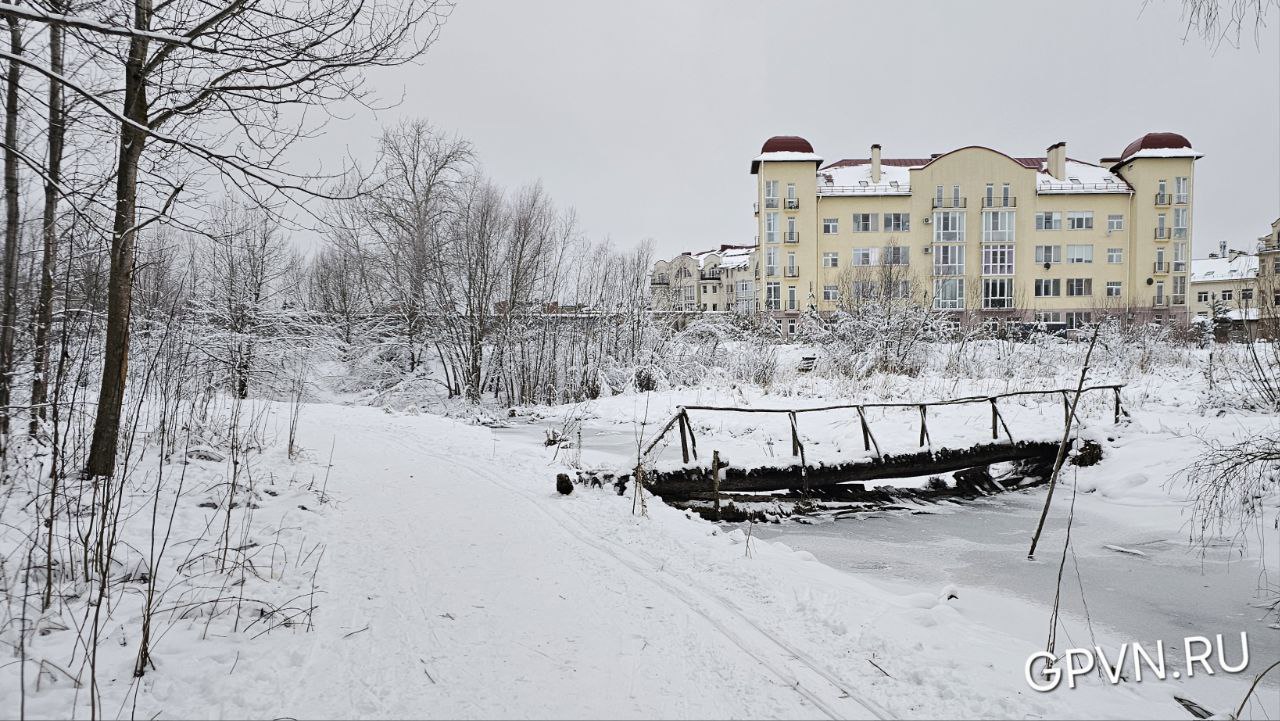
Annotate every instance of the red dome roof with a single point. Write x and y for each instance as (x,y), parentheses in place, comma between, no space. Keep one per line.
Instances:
(1156,141)
(786,144)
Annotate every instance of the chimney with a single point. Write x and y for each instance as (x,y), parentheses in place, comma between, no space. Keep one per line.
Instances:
(1222,248)
(875,163)
(1056,160)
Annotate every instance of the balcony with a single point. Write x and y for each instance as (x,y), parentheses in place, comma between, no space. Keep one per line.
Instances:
(1001,202)
(1162,233)
(793,204)
(1179,299)
(772,203)
(791,271)
(1161,267)
(710,274)
(1163,198)
(771,270)
(951,202)
(661,280)
(1160,301)
(791,236)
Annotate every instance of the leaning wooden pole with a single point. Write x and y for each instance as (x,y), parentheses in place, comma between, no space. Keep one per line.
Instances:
(1066,442)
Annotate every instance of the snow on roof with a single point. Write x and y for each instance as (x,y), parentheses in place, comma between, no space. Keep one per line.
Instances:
(729,256)
(854,178)
(1239,267)
(788,156)
(1081,177)
(1163,153)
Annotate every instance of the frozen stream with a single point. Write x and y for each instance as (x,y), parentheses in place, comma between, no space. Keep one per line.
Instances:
(980,548)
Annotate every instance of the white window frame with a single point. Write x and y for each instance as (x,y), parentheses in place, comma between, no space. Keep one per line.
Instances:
(1115,222)
(1051,254)
(771,227)
(948,300)
(1080,220)
(1049,220)
(830,226)
(948,226)
(997,301)
(830,293)
(895,255)
(1115,255)
(1079,254)
(1048,287)
(863,257)
(948,259)
(1115,289)
(1079,287)
(998,259)
(897,222)
(830,259)
(998,226)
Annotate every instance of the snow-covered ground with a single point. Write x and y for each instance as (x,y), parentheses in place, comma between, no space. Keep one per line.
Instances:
(455,582)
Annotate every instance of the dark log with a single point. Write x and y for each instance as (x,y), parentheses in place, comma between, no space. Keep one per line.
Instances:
(691,481)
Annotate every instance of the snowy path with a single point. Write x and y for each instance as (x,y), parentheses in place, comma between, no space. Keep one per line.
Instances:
(499,605)
(458,583)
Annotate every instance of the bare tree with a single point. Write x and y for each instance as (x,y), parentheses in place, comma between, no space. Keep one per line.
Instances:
(228,87)
(9,308)
(1225,20)
(49,230)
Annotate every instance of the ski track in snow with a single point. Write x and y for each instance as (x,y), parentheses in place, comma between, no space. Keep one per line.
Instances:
(409,626)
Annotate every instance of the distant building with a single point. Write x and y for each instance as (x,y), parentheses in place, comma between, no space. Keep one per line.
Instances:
(719,280)
(1240,286)
(980,232)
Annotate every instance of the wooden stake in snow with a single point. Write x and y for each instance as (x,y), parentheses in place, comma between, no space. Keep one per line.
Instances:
(715,480)
(1066,442)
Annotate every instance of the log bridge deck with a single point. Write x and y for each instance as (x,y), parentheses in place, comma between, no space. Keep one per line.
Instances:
(721,477)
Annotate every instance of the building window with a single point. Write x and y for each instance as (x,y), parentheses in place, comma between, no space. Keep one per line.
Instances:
(1079,254)
(1202,296)
(1115,255)
(1048,287)
(895,255)
(791,298)
(770,227)
(1077,319)
(1049,221)
(830,294)
(865,222)
(948,260)
(948,226)
(1080,220)
(771,261)
(864,256)
(1115,222)
(772,296)
(997,226)
(948,293)
(997,293)
(1048,316)
(863,289)
(1113,289)
(830,260)
(791,326)
(744,287)
(900,289)
(830,226)
(770,194)
(1048,253)
(897,222)
(1245,294)
(1179,257)
(1079,286)
(1180,222)
(1182,190)
(997,259)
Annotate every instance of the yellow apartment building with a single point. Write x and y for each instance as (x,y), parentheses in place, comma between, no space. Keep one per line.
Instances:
(977,231)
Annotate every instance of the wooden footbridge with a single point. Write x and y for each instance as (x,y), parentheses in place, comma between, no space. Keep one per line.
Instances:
(692,479)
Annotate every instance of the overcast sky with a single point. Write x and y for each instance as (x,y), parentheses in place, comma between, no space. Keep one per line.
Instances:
(644,116)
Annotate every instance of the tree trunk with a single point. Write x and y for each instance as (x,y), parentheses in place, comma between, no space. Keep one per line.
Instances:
(115,367)
(44,307)
(9,315)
